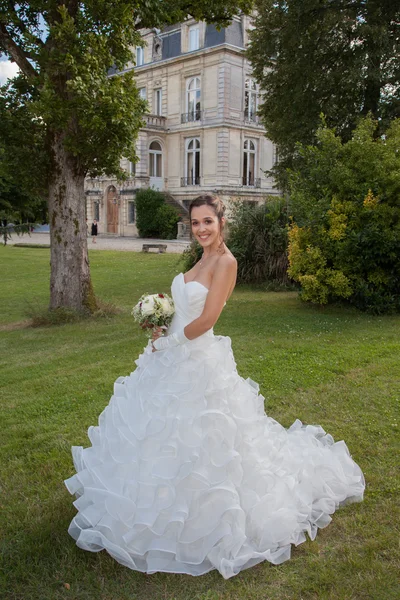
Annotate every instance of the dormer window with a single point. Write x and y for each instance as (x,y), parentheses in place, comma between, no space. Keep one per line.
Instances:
(139,56)
(194,37)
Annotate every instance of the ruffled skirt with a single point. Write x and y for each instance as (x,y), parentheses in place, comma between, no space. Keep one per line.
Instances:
(186,473)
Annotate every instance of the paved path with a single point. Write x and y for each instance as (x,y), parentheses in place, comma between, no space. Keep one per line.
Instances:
(127,244)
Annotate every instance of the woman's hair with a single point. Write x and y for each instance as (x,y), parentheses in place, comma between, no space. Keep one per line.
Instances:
(209,200)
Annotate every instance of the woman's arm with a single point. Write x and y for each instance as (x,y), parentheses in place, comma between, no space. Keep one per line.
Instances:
(223,279)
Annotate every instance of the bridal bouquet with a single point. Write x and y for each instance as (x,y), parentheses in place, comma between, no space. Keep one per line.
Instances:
(154,310)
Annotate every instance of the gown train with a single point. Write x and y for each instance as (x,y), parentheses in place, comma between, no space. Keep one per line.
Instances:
(186,473)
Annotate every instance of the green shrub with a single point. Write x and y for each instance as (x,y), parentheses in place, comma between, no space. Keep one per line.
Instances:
(166,220)
(258,240)
(191,255)
(148,201)
(154,218)
(308,266)
(344,243)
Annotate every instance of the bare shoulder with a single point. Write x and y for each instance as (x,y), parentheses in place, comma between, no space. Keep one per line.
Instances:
(226,265)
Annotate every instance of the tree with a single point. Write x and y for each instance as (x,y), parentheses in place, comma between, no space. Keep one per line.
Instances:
(339,58)
(344,242)
(23,194)
(65,52)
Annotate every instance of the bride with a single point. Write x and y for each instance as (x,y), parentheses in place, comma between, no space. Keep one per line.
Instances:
(185,472)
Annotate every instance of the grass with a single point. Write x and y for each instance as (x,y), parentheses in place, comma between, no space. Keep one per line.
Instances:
(331,366)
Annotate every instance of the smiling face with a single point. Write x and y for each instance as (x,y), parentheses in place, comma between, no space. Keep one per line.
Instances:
(205,226)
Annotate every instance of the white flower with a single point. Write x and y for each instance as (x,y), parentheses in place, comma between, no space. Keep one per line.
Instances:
(166,306)
(148,306)
(153,310)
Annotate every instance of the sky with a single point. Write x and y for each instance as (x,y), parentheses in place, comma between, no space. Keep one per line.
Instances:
(7,69)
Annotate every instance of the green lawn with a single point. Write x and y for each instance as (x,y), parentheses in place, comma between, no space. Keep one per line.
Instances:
(330,366)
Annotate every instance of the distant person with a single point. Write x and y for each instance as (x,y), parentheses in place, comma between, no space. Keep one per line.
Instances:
(94,231)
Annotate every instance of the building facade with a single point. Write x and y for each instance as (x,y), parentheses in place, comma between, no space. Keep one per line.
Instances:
(201,134)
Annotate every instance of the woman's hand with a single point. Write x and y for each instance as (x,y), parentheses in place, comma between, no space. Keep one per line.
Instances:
(157,332)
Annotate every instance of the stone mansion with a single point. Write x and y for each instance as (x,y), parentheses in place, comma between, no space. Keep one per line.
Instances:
(201,133)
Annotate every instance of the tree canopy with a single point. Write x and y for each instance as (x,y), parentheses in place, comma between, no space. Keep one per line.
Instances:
(336,57)
(65,51)
(344,242)
(89,119)
(23,190)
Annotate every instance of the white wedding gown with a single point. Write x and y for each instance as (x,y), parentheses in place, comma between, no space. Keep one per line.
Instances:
(186,473)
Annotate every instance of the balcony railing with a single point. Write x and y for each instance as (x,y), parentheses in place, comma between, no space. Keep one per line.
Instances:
(155,121)
(192,180)
(251,182)
(93,185)
(250,119)
(192,116)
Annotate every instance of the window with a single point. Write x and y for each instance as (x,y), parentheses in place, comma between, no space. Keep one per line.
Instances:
(192,163)
(139,56)
(249,161)
(158,101)
(131,212)
(96,210)
(143,93)
(193,100)
(250,100)
(194,37)
(155,158)
(131,169)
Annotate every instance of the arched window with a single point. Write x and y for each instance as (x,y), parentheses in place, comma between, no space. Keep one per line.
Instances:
(155,158)
(192,163)
(250,99)
(249,162)
(193,99)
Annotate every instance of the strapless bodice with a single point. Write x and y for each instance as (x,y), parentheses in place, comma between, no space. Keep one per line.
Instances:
(189,299)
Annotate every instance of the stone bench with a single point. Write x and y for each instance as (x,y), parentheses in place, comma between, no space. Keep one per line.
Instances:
(161,247)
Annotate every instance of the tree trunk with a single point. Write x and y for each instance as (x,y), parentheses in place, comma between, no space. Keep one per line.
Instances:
(70,284)
(372,94)
(373,44)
